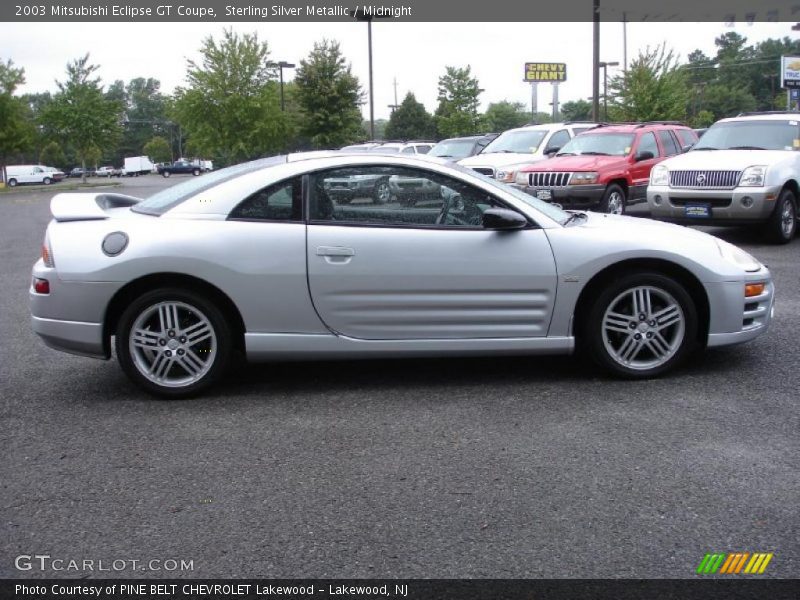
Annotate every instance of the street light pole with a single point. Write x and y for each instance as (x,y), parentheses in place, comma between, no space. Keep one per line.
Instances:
(604,66)
(595,60)
(281,66)
(371,97)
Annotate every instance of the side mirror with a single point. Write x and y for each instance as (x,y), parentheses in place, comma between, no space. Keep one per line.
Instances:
(502,219)
(686,148)
(551,151)
(644,155)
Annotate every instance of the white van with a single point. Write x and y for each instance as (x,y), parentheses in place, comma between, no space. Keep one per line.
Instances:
(28,174)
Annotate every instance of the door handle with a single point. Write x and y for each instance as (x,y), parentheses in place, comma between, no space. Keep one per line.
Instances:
(335,251)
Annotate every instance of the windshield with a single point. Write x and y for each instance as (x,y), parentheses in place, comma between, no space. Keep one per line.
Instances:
(161,202)
(453,148)
(520,142)
(750,135)
(610,144)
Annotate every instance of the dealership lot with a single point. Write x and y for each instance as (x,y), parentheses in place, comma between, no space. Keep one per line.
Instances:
(493,467)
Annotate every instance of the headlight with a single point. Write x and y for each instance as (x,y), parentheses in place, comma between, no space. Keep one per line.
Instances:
(753,176)
(659,175)
(521,178)
(738,257)
(505,176)
(583,178)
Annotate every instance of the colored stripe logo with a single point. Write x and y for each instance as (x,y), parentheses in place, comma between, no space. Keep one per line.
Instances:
(734,563)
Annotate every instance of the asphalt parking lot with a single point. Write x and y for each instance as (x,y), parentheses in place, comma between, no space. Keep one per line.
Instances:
(446,468)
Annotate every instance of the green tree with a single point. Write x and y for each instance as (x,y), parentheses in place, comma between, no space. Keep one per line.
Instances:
(231,107)
(145,115)
(503,115)
(52,155)
(80,112)
(410,121)
(329,96)
(16,128)
(158,149)
(457,113)
(576,110)
(654,88)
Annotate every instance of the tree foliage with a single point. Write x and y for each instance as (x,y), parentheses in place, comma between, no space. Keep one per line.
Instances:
(329,96)
(80,113)
(410,121)
(52,155)
(503,115)
(654,88)
(457,113)
(231,109)
(16,129)
(576,110)
(158,150)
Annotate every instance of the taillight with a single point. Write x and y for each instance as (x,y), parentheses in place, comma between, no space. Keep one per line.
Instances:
(41,286)
(47,253)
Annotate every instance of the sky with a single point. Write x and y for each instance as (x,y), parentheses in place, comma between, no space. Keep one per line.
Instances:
(413,54)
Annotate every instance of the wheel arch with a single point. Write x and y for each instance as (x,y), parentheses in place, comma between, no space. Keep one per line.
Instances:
(692,284)
(793,187)
(137,287)
(621,182)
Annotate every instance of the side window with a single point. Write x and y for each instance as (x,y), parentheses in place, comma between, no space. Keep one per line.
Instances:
(687,137)
(647,143)
(395,196)
(668,143)
(408,150)
(558,139)
(280,202)
(423,149)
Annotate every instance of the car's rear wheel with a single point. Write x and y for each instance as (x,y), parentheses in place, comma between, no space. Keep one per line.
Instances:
(782,223)
(173,343)
(166,173)
(614,200)
(382,192)
(641,325)
(12,183)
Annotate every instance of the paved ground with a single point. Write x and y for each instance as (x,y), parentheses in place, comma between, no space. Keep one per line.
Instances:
(525,467)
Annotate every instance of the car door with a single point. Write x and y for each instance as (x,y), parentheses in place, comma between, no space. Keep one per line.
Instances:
(424,268)
(640,169)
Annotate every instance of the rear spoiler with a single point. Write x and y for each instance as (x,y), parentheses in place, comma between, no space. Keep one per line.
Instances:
(88,206)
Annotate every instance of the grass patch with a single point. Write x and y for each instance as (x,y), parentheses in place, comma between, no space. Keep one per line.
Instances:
(58,187)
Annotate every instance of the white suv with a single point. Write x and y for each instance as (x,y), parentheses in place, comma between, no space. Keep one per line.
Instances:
(523,146)
(744,170)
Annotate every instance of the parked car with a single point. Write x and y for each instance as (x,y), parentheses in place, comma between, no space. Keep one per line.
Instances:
(462,147)
(744,171)
(108,172)
(607,168)
(517,148)
(78,172)
(347,188)
(20,174)
(277,269)
(138,165)
(180,167)
(403,147)
(365,147)
(55,174)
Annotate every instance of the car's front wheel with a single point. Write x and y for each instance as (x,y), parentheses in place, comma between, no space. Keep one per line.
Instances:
(782,223)
(614,200)
(173,343)
(166,173)
(47,181)
(382,192)
(641,325)
(196,172)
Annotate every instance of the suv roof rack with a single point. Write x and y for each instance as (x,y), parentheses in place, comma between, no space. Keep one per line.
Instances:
(768,112)
(579,121)
(646,123)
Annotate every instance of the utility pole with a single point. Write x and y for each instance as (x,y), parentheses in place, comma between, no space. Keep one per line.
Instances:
(596,60)
(625,43)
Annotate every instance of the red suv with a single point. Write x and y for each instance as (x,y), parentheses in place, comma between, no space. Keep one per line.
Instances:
(607,167)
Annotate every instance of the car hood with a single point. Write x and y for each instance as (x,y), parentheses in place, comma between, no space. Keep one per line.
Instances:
(578,163)
(728,160)
(500,159)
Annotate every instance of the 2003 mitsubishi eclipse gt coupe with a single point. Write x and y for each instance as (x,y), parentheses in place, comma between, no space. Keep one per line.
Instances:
(259,258)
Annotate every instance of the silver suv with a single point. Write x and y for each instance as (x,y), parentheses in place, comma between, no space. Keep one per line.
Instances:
(744,170)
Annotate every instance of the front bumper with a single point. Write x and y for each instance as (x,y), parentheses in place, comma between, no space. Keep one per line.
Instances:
(571,196)
(736,319)
(740,205)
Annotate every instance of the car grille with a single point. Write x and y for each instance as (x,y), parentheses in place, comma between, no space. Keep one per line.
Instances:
(713,202)
(555,179)
(704,179)
(484,171)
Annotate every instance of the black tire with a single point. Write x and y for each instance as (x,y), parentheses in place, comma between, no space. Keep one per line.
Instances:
(166,173)
(782,223)
(382,193)
(614,200)
(12,183)
(47,181)
(679,337)
(196,172)
(407,201)
(221,343)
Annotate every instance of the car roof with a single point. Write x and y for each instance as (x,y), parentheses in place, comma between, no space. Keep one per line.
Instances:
(634,127)
(765,116)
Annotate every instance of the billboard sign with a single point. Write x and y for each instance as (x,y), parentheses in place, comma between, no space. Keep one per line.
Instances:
(537,72)
(790,72)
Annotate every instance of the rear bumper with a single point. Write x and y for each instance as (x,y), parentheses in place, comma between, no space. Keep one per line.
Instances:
(75,337)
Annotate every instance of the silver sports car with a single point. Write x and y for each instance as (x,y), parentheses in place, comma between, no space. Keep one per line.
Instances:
(261,259)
